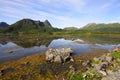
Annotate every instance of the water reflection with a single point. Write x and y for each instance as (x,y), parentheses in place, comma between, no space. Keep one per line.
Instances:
(79,46)
(11,51)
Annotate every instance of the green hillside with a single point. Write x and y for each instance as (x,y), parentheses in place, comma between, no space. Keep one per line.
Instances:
(29,26)
(108,28)
(70,28)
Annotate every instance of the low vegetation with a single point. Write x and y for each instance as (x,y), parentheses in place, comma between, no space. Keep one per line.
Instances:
(36,68)
(116,54)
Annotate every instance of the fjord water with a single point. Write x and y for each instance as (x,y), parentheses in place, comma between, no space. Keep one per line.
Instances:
(80,46)
(12,51)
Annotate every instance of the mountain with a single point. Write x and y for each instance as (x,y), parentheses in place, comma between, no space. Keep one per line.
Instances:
(70,28)
(89,25)
(29,25)
(47,23)
(3,24)
(111,27)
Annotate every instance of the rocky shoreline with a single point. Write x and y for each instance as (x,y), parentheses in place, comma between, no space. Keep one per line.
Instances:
(104,67)
(56,66)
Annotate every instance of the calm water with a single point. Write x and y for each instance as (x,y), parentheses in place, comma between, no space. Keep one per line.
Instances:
(11,51)
(79,46)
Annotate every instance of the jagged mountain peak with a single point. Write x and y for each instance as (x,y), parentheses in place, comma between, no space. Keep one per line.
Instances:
(29,24)
(47,23)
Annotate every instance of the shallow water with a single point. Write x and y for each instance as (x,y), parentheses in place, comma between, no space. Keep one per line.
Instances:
(79,46)
(12,51)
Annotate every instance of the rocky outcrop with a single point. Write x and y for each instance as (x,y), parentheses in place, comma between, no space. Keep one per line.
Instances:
(113,76)
(106,62)
(59,55)
(47,23)
(116,49)
(105,67)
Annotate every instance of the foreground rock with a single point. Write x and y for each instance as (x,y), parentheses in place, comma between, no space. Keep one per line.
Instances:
(117,49)
(113,76)
(59,55)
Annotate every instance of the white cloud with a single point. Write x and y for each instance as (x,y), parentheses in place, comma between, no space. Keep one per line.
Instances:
(60,12)
(22,9)
(105,5)
(109,4)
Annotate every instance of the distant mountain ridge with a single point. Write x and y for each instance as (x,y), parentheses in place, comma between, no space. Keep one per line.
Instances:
(36,26)
(70,28)
(111,27)
(29,25)
(3,24)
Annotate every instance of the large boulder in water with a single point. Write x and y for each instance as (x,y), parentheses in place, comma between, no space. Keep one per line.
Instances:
(59,55)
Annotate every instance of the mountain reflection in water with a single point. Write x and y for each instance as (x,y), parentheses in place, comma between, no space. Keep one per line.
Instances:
(11,51)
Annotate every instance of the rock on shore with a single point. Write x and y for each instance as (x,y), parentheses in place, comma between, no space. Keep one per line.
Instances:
(59,55)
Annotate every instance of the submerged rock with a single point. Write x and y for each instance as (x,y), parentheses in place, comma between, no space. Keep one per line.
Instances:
(59,55)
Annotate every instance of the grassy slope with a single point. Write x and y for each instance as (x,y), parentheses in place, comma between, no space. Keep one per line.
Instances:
(104,28)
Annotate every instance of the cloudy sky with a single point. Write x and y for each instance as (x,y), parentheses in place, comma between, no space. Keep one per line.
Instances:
(61,13)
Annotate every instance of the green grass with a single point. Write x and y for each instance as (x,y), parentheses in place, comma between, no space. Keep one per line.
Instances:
(92,74)
(115,54)
(95,62)
(77,77)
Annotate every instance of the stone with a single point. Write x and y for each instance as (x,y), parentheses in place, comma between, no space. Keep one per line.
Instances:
(102,58)
(103,67)
(117,49)
(72,60)
(49,57)
(89,63)
(72,69)
(103,73)
(58,59)
(96,59)
(118,59)
(1,72)
(59,55)
(109,59)
(113,76)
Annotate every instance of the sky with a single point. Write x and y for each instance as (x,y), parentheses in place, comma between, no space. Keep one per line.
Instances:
(61,13)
